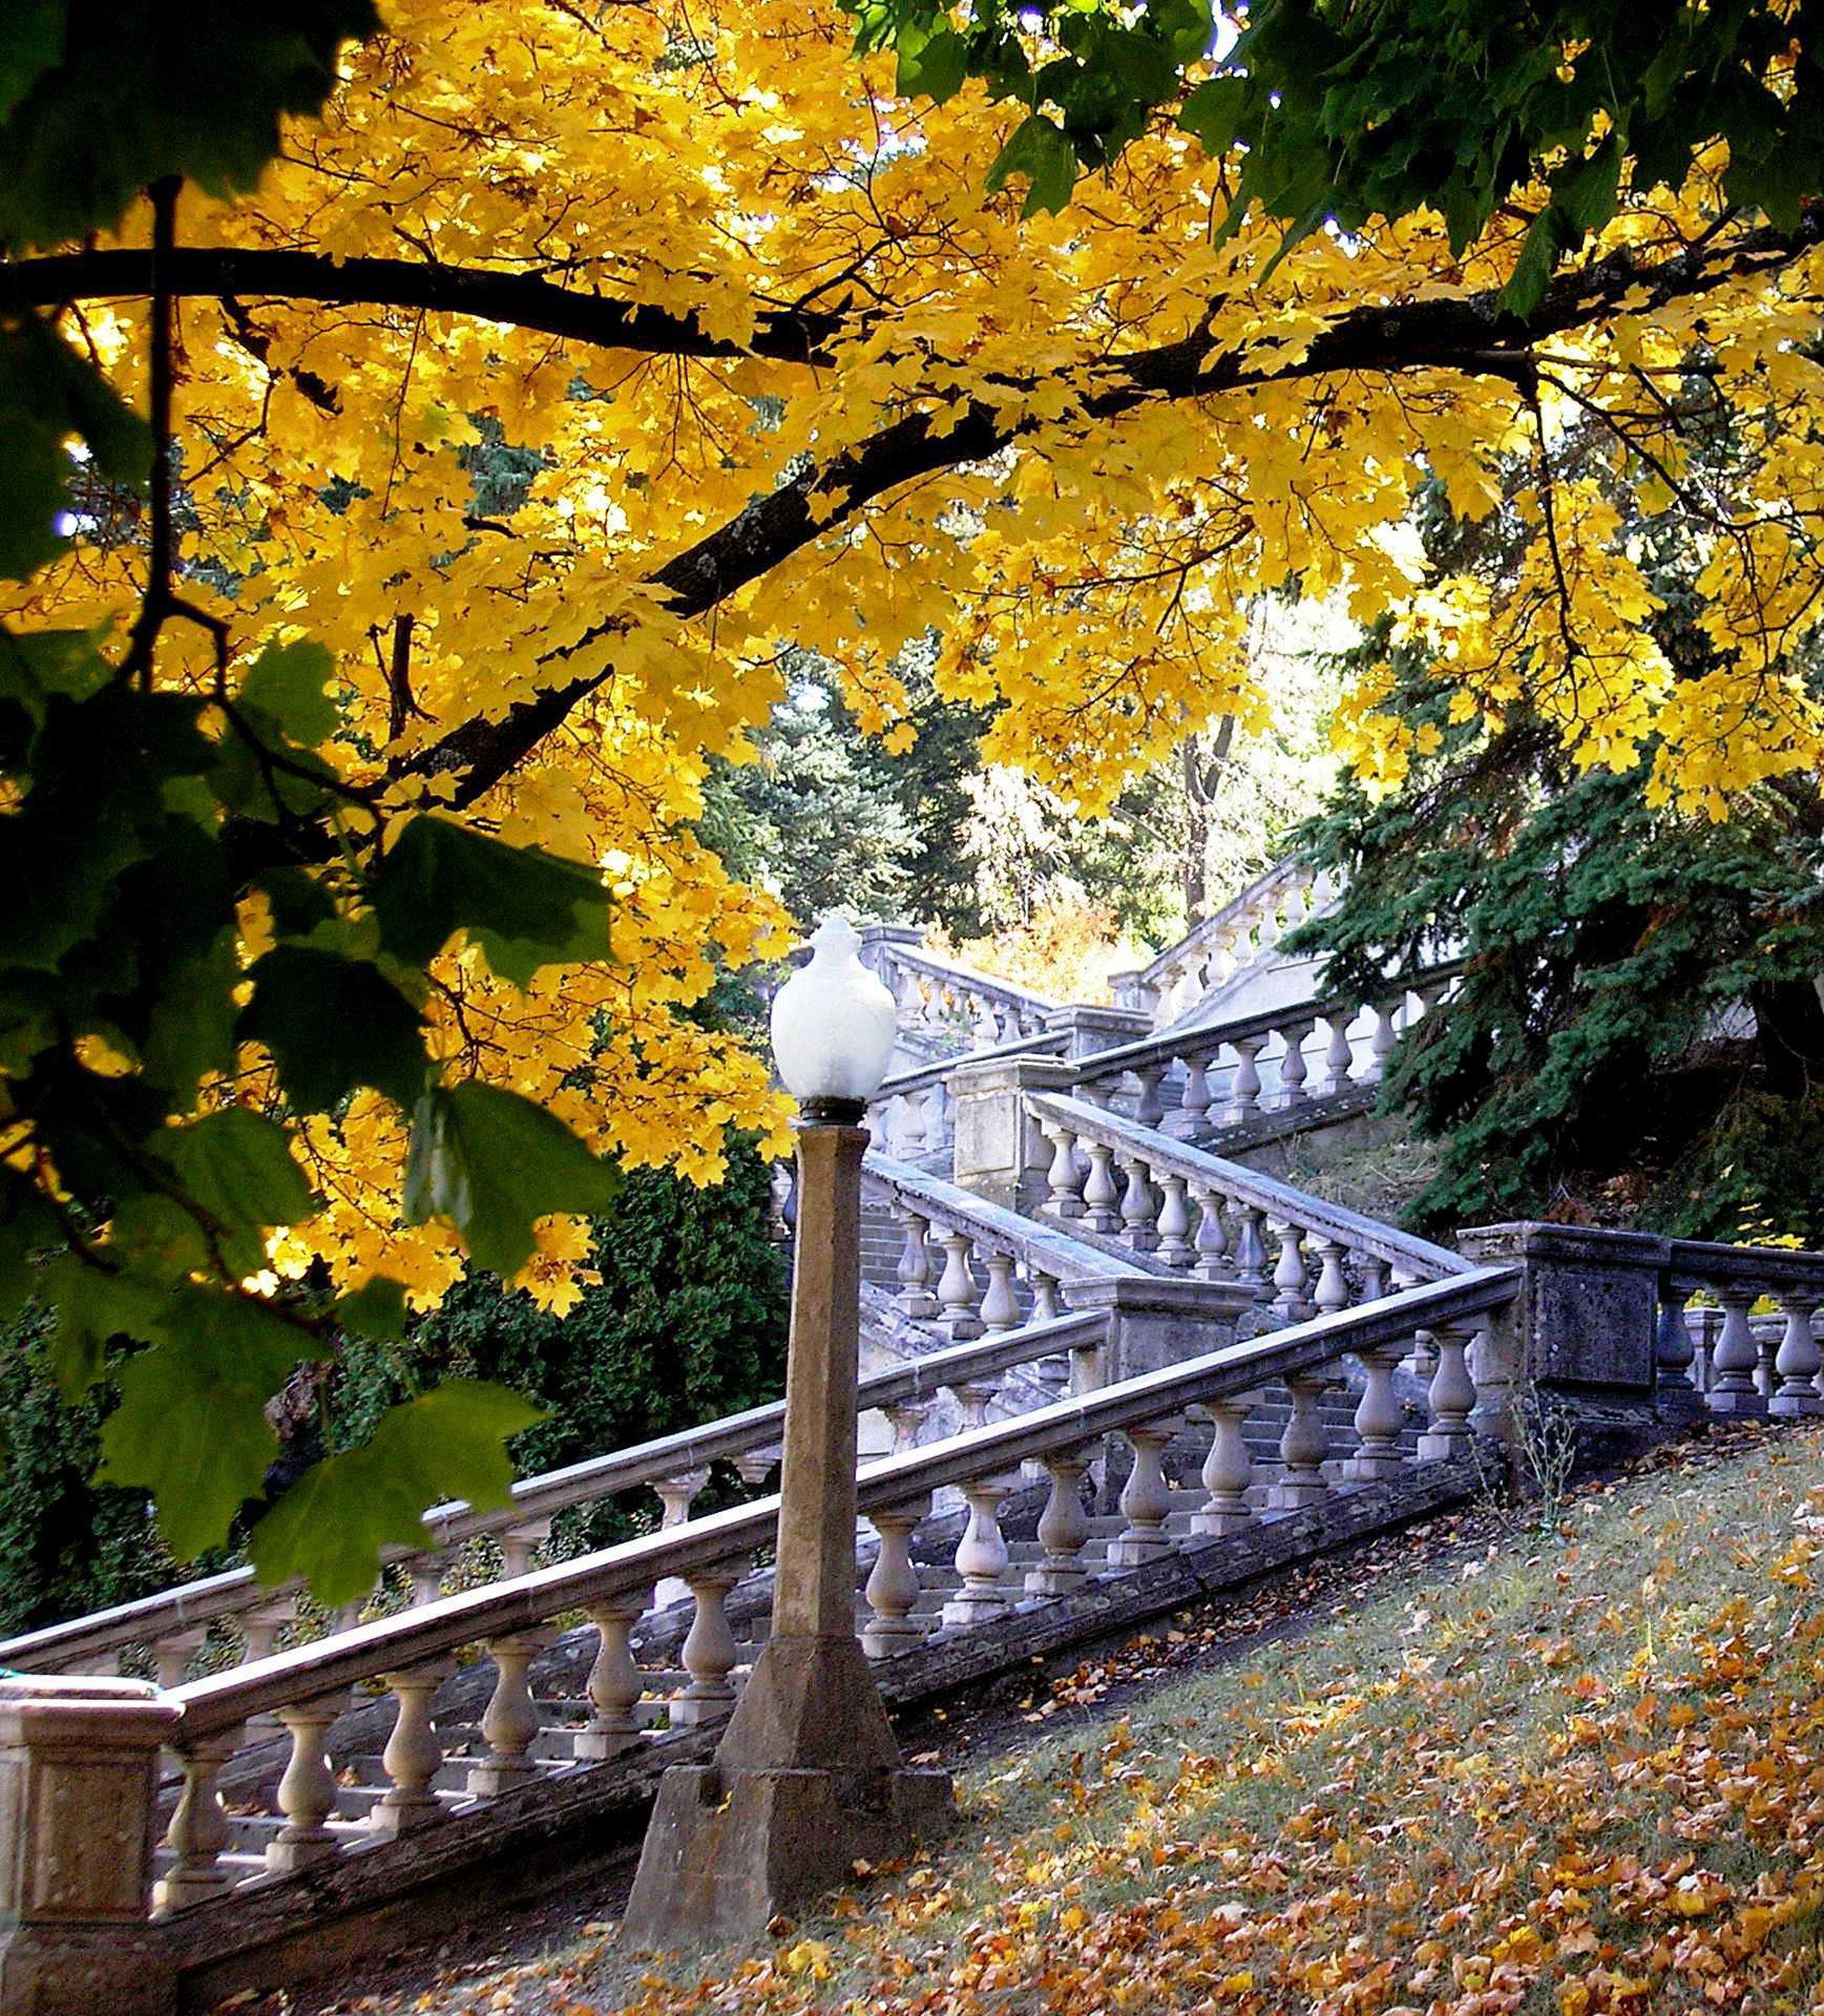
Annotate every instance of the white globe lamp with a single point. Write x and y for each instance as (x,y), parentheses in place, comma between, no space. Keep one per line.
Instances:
(832,1028)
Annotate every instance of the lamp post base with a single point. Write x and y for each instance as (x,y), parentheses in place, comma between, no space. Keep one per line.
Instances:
(808,1780)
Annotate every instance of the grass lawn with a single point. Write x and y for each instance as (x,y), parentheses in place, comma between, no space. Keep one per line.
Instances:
(1582,1770)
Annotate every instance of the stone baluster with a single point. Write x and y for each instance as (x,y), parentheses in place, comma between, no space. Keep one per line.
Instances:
(1267,932)
(677,1495)
(905,1418)
(914,1300)
(1289,1304)
(1146,1499)
(519,1543)
(426,1571)
(172,1653)
(1381,1042)
(308,1791)
(1219,961)
(1251,1247)
(981,1557)
(615,1682)
(1764,1349)
(983,1026)
(937,1115)
(1244,1087)
(1373,1270)
(1798,1361)
(959,1292)
(1451,1397)
(1734,1357)
(709,1649)
(1293,1067)
(1174,1247)
(972,1397)
(199,1830)
(1379,1418)
(1086,1368)
(1339,1055)
(1150,1109)
(1672,1354)
(1139,1209)
(1101,1200)
(1064,1526)
(1192,1112)
(1227,1470)
(893,1588)
(912,1136)
(1000,1304)
(1210,1243)
(412,1756)
(260,1628)
(1065,1178)
(753,1466)
(1331,1291)
(510,1721)
(1048,1305)
(1303,1448)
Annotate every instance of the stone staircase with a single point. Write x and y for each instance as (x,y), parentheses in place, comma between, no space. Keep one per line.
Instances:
(1108,1366)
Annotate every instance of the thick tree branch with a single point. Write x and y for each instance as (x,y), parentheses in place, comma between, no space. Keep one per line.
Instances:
(520,300)
(1469,334)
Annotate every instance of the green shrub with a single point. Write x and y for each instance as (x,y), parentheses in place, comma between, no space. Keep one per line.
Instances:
(687,1323)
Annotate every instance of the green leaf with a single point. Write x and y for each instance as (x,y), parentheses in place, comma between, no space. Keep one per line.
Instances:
(1214,112)
(331,1526)
(374,1310)
(39,663)
(191,1427)
(527,909)
(191,1028)
(32,45)
(287,684)
(333,1024)
(28,1226)
(238,1166)
(933,63)
(1039,151)
(491,1162)
(94,1305)
(47,393)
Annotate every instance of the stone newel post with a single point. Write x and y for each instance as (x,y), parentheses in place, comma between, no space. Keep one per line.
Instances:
(808,1776)
(78,1761)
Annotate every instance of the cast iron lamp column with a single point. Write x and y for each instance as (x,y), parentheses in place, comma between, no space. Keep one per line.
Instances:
(808,1776)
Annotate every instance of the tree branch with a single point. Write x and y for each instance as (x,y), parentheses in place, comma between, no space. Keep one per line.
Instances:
(520,300)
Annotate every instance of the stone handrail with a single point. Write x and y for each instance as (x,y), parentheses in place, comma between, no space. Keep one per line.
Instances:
(192,1607)
(1248,926)
(1168,1179)
(1752,1368)
(1151,1059)
(305,1686)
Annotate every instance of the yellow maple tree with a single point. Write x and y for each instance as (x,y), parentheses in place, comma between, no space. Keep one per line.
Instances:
(578,362)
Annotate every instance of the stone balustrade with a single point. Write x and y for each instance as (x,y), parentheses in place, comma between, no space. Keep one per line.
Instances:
(944,1005)
(437,1766)
(1244,931)
(242,1620)
(1217,1221)
(1289,1060)
(913,1115)
(1754,1349)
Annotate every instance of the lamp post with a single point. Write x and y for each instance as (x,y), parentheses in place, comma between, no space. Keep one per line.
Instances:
(807,1776)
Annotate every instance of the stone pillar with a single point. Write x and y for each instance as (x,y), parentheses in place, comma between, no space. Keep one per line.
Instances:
(1584,1323)
(1156,1320)
(1088,1031)
(1000,1151)
(808,1776)
(78,1770)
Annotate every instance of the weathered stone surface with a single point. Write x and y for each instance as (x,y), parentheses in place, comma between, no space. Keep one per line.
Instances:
(77,1761)
(727,1851)
(1587,1316)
